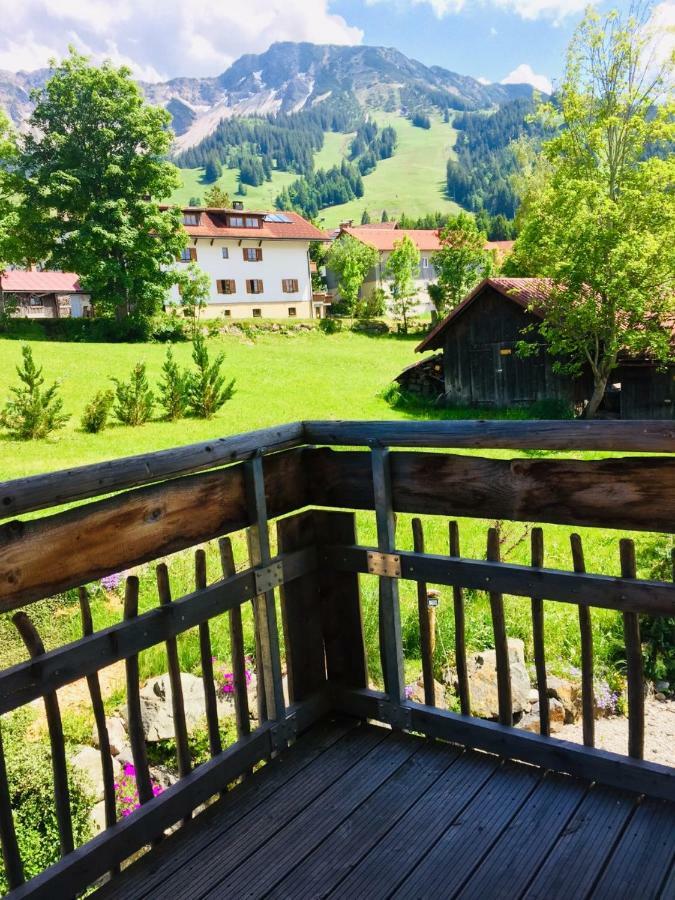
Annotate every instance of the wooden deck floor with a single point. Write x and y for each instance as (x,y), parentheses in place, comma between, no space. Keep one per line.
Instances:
(354,811)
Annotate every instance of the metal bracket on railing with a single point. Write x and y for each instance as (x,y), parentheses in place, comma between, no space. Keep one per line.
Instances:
(384,564)
(268,577)
(284,731)
(393,714)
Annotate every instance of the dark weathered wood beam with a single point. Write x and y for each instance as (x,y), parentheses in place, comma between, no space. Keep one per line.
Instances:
(649,436)
(24,495)
(633,492)
(82,544)
(653,597)
(29,680)
(551,753)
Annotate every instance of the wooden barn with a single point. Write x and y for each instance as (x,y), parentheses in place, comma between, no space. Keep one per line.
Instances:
(481,366)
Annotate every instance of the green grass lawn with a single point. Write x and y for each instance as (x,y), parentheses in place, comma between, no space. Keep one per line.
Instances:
(283,378)
(412,181)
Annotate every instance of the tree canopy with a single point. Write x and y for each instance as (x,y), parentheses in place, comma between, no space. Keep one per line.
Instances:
(461,263)
(350,260)
(89,174)
(599,218)
(402,267)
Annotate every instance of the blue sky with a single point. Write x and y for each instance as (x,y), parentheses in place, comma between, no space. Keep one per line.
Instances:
(523,40)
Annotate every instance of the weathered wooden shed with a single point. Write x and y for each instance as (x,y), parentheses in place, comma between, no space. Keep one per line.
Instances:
(479,339)
(481,366)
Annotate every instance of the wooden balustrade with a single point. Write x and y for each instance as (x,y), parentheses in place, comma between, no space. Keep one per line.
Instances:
(167,504)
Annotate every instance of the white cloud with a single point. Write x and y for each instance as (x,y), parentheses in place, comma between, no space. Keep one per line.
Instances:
(483,80)
(526,9)
(160,40)
(524,74)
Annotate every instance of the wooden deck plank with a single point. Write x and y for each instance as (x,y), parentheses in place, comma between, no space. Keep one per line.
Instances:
(277,857)
(215,861)
(347,845)
(642,858)
(153,869)
(515,857)
(467,837)
(402,847)
(574,863)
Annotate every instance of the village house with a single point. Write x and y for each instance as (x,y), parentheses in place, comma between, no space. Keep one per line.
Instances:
(43,295)
(258,263)
(481,367)
(383,236)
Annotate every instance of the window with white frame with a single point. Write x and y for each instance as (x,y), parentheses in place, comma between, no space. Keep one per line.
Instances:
(226,253)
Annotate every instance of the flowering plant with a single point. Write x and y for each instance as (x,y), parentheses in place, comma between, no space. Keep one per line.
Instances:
(111,582)
(126,791)
(225,679)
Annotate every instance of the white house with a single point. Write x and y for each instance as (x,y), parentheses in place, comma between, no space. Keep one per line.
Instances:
(258,262)
(384,237)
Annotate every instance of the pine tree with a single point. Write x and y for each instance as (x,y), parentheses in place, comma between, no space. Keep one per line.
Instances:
(207,390)
(33,412)
(135,400)
(173,388)
(385,216)
(365,218)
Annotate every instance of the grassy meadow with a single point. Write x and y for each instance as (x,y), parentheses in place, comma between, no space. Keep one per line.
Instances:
(412,181)
(282,378)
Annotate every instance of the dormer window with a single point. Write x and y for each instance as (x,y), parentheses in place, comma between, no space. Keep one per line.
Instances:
(236,221)
(190,218)
(251,222)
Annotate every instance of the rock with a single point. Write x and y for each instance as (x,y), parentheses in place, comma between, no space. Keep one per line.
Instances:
(556,715)
(415,692)
(661,687)
(482,670)
(556,718)
(568,694)
(157,711)
(87,762)
(117,734)
(533,696)
(660,696)
(97,817)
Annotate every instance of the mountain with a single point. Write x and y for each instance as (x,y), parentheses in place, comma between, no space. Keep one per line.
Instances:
(290,77)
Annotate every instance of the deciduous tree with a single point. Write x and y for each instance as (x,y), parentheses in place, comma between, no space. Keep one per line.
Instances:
(90,172)
(600,223)
(402,267)
(461,263)
(350,260)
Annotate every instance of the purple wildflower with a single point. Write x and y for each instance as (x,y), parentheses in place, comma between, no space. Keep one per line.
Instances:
(111,582)
(410,691)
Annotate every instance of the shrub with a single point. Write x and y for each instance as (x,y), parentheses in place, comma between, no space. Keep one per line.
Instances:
(135,400)
(168,327)
(330,325)
(551,408)
(173,389)
(375,304)
(31,789)
(207,390)
(96,412)
(33,412)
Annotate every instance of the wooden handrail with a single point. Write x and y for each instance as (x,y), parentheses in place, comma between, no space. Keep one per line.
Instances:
(648,436)
(24,495)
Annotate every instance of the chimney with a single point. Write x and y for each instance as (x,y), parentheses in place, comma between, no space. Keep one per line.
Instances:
(237,204)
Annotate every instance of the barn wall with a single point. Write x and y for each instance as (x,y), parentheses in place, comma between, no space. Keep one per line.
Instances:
(646,393)
(482,367)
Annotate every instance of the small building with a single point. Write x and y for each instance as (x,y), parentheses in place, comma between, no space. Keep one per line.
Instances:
(481,366)
(30,294)
(258,262)
(424,378)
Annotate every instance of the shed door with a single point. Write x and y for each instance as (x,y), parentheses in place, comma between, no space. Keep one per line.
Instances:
(483,375)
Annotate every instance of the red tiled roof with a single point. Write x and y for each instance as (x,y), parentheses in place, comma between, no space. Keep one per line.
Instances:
(383,239)
(526,292)
(212,223)
(21,280)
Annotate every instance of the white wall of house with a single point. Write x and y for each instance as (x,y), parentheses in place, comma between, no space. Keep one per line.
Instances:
(377,278)
(281,260)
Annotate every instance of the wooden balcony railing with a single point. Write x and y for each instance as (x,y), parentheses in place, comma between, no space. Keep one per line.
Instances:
(156,504)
